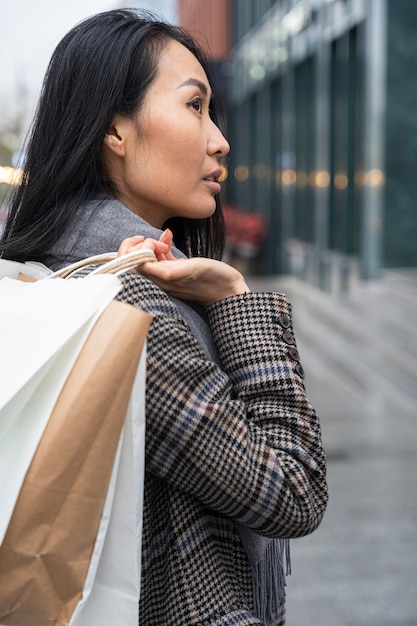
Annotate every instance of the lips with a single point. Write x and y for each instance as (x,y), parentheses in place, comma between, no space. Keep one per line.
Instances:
(213,183)
(214,176)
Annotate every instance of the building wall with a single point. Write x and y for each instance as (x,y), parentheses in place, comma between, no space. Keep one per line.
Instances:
(320,66)
(401,136)
(209,23)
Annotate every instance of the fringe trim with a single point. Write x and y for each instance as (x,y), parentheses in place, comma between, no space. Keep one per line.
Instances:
(269,580)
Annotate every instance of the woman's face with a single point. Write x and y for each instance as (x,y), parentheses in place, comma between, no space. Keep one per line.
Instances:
(169,166)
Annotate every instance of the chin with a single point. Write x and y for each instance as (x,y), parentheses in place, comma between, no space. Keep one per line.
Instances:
(197,212)
(205,213)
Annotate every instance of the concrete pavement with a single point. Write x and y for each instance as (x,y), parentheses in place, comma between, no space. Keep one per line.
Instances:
(360,355)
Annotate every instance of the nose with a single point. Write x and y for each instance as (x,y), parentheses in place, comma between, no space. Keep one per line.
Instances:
(218,144)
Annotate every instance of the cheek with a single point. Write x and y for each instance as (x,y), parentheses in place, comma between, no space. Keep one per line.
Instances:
(173,148)
(179,134)
(176,159)
(163,148)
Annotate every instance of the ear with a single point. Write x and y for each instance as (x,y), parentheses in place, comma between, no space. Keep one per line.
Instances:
(116,136)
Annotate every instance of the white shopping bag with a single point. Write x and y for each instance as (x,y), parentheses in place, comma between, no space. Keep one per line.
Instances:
(112,589)
(69,379)
(43,326)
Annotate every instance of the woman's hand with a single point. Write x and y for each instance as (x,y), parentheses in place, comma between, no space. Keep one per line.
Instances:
(198,279)
(161,247)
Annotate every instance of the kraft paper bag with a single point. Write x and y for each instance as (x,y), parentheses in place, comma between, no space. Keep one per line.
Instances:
(76,510)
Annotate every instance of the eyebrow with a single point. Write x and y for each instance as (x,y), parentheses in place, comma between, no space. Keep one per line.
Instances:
(196,83)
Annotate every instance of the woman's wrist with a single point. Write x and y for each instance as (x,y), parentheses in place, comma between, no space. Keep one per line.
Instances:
(237,288)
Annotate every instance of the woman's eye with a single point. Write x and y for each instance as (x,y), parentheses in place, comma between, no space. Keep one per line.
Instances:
(197,105)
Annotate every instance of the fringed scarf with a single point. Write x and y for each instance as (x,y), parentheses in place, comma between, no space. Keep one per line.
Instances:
(270,563)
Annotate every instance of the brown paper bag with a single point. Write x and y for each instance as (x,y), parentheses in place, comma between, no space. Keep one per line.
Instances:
(45,554)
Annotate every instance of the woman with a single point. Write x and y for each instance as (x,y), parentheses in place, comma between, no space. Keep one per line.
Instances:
(125,144)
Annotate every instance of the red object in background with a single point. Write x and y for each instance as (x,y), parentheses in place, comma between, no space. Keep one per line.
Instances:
(245,232)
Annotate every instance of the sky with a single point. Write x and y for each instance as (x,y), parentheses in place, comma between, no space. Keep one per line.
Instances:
(29,33)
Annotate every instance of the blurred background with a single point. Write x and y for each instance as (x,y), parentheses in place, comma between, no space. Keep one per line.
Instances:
(320,202)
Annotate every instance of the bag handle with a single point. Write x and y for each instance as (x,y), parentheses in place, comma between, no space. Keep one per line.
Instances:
(109,263)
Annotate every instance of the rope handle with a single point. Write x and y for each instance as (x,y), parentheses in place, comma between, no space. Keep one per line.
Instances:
(109,263)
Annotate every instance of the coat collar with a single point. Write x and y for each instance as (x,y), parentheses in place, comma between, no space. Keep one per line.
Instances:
(98,227)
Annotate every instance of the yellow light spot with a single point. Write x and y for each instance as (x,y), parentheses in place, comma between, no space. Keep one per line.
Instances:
(241,173)
(322,178)
(11,175)
(375,178)
(341,181)
(224,174)
(288,177)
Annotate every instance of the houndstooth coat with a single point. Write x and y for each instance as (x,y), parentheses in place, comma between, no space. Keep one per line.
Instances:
(236,442)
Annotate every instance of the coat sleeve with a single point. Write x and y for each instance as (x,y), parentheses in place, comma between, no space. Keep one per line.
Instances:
(242,439)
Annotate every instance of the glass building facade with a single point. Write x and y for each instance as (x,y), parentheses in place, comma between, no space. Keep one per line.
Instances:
(321,118)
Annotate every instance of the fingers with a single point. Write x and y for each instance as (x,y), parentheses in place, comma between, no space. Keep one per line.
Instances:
(161,247)
(179,269)
(167,238)
(129,244)
(158,247)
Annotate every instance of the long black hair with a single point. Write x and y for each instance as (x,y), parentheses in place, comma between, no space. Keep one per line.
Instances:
(103,66)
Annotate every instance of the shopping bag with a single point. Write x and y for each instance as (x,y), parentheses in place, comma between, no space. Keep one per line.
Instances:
(43,326)
(112,589)
(70,533)
(30,270)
